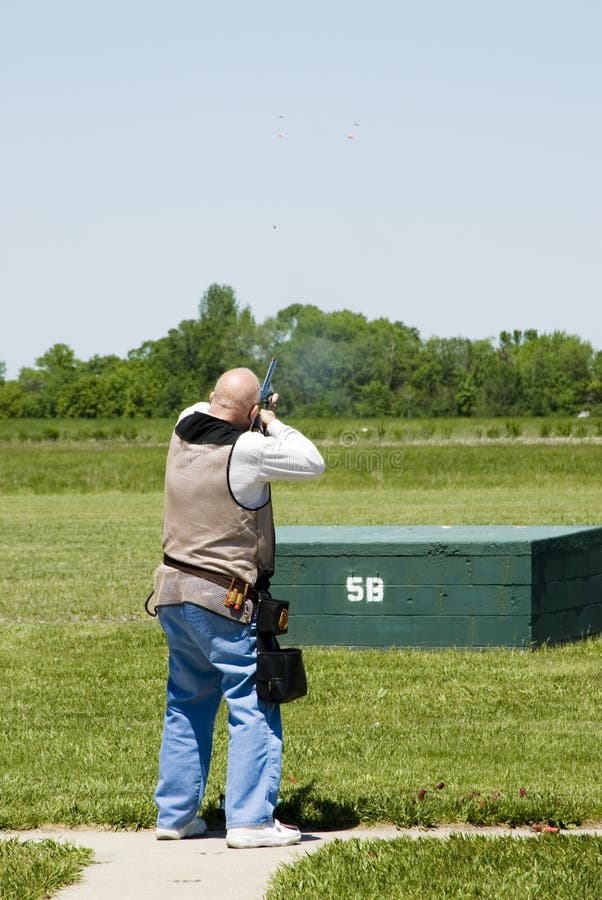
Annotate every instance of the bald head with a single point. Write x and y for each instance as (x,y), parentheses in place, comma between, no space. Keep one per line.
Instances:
(235,397)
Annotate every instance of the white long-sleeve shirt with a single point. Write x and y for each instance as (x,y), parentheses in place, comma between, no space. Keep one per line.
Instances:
(284,455)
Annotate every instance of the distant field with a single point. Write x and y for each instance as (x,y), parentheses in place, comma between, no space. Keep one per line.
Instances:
(367,481)
(340,430)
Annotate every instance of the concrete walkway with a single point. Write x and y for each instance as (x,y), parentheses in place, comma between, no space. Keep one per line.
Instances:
(133,865)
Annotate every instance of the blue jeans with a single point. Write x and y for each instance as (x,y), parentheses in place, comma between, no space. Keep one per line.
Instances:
(211,656)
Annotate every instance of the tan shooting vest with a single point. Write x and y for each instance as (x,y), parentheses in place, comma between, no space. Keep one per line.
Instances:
(203,525)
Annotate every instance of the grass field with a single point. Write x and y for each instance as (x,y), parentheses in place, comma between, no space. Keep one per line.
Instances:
(513,737)
(33,870)
(460,867)
(430,483)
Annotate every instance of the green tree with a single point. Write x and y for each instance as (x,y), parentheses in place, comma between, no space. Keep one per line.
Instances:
(501,388)
(58,360)
(384,354)
(150,385)
(441,366)
(226,335)
(11,400)
(58,367)
(173,368)
(100,390)
(594,391)
(555,372)
(466,394)
(34,396)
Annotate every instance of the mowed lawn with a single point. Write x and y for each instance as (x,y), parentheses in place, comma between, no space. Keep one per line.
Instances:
(402,736)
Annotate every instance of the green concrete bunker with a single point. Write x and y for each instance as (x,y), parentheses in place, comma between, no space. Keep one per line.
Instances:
(439,586)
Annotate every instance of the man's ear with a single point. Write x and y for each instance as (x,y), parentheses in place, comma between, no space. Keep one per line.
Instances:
(254,412)
(211,396)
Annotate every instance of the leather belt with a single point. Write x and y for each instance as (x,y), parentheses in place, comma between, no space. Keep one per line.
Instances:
(225,581)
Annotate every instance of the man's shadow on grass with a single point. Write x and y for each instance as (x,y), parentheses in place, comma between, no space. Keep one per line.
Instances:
(307,808)
(304,807)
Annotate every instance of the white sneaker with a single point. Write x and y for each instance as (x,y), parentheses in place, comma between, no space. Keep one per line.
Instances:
(196,828)
(273,834)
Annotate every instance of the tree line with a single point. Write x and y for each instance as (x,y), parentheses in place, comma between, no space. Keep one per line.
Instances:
(335,363)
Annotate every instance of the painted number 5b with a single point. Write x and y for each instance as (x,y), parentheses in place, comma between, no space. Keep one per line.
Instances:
(372,590)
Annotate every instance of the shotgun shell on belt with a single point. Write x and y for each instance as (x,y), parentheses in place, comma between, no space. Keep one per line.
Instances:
(231,595)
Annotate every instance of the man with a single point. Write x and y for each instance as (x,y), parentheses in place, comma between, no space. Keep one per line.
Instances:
(218,542)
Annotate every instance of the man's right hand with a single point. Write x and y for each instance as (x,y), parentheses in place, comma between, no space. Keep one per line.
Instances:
(268,415)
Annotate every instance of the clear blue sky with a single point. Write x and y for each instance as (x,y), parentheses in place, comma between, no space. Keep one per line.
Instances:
(141,162)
